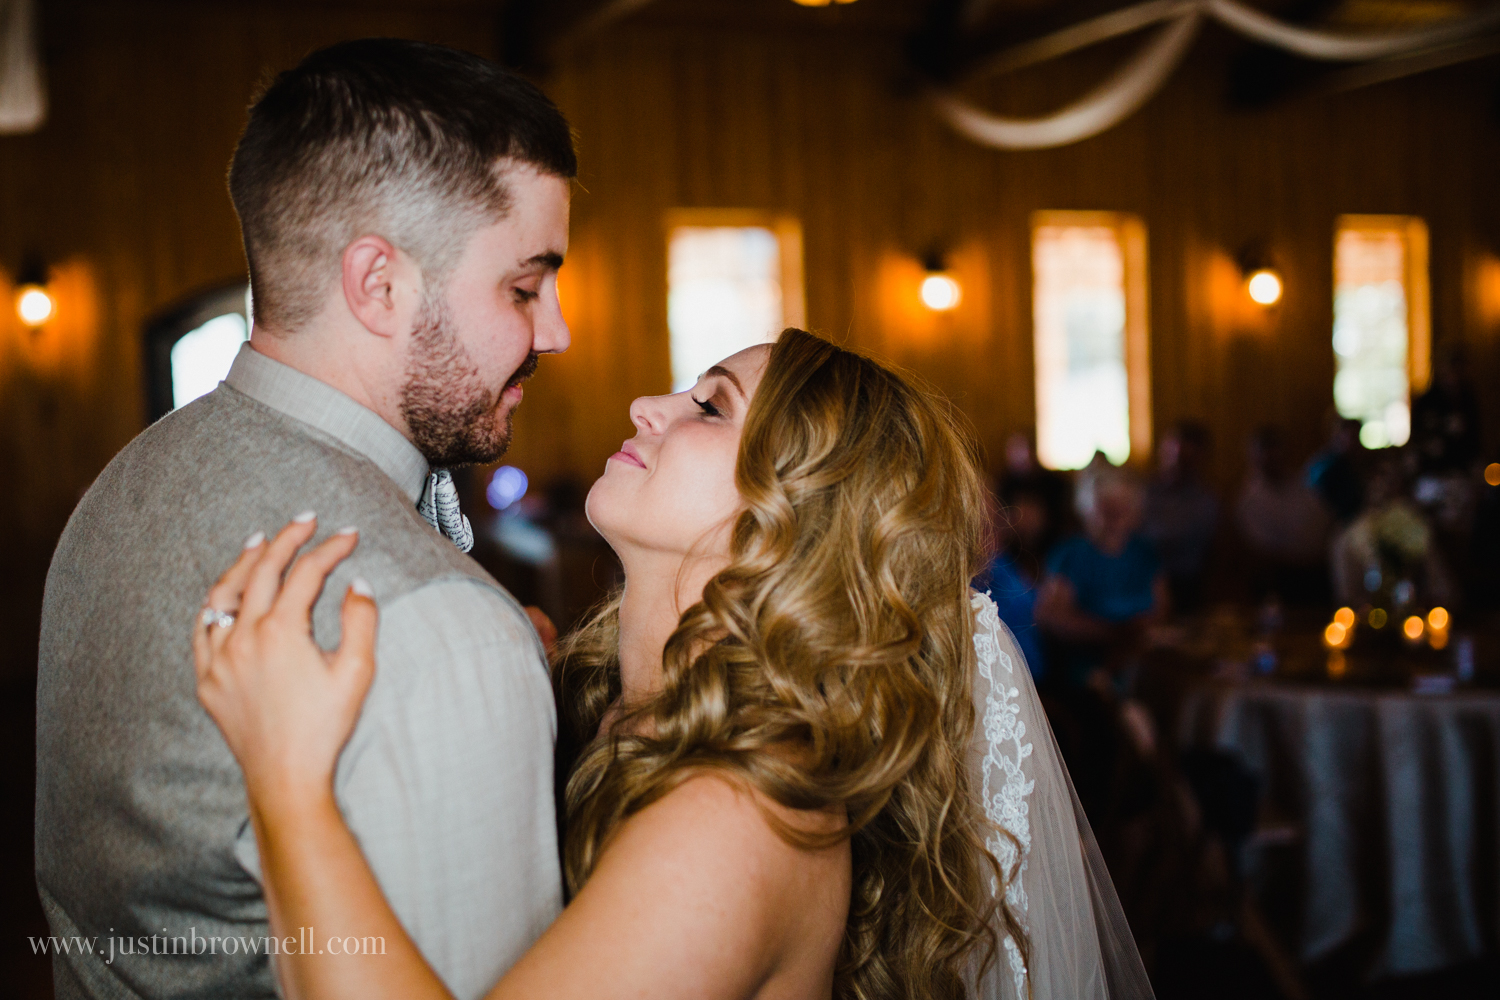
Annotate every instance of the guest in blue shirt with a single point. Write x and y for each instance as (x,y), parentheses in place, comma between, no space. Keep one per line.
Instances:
(1104,587)
(1102,591)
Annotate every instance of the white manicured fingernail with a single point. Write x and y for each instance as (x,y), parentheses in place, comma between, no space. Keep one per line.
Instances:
(351,530)
(362,587)
(305,517)
(255,539)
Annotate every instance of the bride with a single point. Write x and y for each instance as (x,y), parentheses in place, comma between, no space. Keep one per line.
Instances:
(815,765)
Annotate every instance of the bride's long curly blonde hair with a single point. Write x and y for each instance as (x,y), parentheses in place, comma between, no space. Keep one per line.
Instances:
(841,627)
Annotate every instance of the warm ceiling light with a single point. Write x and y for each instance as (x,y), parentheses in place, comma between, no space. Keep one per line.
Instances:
(940,292)
(1265,287)
(818,3)
(1333,635)
(1345,617)
(33,305)
(1413,627)
(1492,473)
(1437,618)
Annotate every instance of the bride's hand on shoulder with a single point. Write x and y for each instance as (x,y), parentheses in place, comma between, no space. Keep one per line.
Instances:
(286,707)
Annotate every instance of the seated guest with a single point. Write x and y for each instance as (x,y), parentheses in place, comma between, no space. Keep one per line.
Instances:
(1181,512)
(1102,587)
(1284,525)
(1102,590)
(1334,471)
(1022,523)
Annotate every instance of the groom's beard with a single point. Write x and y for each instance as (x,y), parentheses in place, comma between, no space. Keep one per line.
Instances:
(447,407)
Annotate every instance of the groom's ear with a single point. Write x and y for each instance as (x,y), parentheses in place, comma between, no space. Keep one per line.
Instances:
(377,287)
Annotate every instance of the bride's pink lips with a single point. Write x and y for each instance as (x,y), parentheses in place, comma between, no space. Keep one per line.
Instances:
(628,455)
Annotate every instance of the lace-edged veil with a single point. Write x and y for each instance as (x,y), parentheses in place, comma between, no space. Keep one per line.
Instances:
(1078,944)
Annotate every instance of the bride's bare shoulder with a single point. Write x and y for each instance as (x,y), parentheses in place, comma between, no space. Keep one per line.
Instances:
(712,819)
(714,840)
(697,896)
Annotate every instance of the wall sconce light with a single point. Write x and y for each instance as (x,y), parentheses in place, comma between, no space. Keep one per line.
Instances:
(34,303)
(940,290)
(1262,281)
(819,3)
(1264,286)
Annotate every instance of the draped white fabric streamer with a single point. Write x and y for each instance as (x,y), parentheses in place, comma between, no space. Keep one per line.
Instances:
(23,99)
(1332,46)
(1135,83)
(1112,101)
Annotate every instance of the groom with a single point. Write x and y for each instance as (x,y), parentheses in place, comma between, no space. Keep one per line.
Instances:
(404,209)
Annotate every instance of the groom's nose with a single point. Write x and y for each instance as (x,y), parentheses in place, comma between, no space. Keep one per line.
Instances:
(550,334)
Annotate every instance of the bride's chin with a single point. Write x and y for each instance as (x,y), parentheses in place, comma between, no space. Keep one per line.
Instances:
(598,508)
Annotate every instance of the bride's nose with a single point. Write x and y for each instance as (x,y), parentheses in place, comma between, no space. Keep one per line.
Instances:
(649,413)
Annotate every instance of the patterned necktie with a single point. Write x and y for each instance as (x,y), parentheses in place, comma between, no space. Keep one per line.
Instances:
(439,505)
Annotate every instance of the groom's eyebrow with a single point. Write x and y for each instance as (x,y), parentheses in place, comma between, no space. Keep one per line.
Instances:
(550,260)
(726,373)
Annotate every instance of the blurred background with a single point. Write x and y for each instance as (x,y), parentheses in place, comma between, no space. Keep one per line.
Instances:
(1217,287)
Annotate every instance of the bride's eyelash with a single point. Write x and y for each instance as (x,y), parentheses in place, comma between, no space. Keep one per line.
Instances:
(707,406)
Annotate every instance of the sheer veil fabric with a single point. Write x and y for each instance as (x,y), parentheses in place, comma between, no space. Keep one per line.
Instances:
(1078,945)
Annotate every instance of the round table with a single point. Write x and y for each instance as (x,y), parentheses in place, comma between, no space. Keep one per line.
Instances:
(1395,796)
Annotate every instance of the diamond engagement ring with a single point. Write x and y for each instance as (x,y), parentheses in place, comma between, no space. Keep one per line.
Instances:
(213,616)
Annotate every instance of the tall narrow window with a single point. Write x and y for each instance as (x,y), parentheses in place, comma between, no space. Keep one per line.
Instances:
(1382,336)
(191,345)
(1093,389)
(734,279)
(201,358)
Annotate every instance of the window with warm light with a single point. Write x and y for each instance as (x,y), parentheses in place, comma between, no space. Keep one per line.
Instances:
(201,358)
(734,279)
(1089,313)
(191,345)
(1381,323)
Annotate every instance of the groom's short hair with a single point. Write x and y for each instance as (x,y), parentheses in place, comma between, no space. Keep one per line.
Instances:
(397,138)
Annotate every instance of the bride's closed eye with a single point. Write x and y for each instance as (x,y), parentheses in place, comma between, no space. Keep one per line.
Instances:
(707,406)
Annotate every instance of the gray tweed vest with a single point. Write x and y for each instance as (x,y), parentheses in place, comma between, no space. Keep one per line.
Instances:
(138,799)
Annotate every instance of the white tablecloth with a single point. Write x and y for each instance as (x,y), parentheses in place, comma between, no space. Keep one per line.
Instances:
(1396,796)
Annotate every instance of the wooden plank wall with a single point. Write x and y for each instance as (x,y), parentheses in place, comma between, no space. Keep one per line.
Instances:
(814,123)
(123,191)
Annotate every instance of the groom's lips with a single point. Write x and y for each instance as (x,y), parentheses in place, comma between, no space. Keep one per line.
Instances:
(513,392)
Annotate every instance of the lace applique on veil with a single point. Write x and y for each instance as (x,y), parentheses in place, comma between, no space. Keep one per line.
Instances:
(1004,782)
